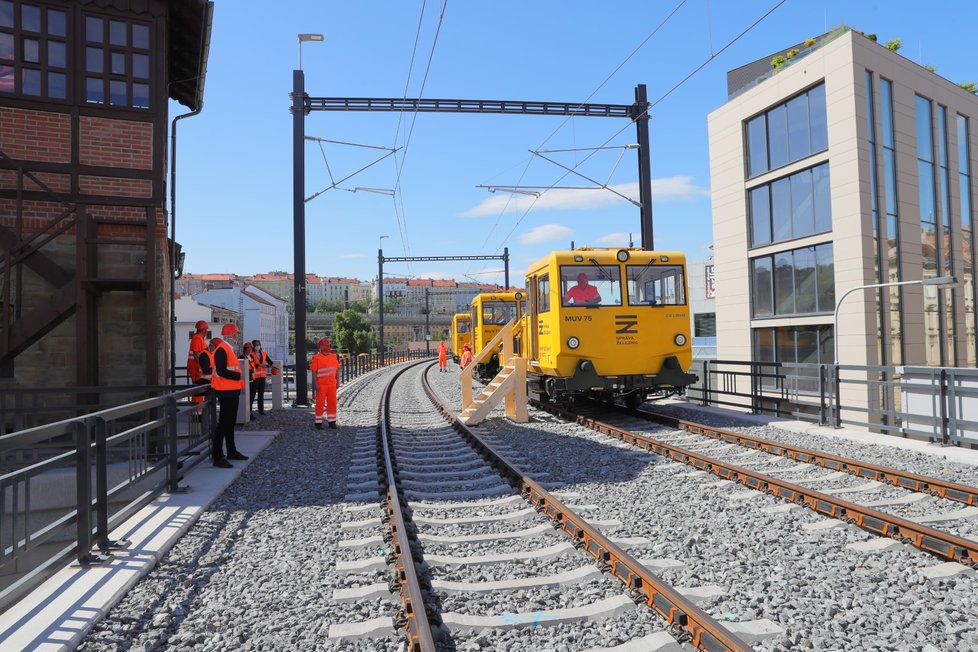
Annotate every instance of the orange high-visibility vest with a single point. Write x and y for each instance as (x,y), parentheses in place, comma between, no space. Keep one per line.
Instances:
(219,383)
(261,364)
(325,367)
(210,359)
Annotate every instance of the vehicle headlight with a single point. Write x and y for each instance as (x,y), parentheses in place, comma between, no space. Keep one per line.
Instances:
(622,255)
(680,340)
(573,342)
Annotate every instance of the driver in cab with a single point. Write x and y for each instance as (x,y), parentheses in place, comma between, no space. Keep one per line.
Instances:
(582,294)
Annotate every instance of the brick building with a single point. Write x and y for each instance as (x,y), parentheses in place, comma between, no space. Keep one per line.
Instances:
(84,86)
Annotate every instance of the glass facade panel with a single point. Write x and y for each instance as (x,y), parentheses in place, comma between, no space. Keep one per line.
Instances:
(781,209)
(970,355)
(799,205)
(787,132)
(30,18)
(799,129)
(777,136)
(140,36)
(760,214)
(32,53)
(31,81)
(7,80)
(93,59)
(94,91)
(140,96)
(805,286)
(57,85)
(56,54)
(56,22)
(762,283)
(140,66)
(925,142)
(118,33)
(825,277)
(822,199)
(6,46)
(118,60)
(756,146)
(117,93)
(802,204)
(784,284)
(94,29)
(925,181)
(816,109)
(6,13)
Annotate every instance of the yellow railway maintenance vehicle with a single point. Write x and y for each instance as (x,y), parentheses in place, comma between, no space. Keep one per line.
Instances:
(490,312)
(608,323)
(461,333)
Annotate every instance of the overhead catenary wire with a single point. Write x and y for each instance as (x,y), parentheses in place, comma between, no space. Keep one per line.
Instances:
(649,108)
(608,78)
(414,118)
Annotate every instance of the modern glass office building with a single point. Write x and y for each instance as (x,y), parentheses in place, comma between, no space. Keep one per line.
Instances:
(849,165)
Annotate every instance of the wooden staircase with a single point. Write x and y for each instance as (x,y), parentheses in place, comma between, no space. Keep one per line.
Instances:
(509,383)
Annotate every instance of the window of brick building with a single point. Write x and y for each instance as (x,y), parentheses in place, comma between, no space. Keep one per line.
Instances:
(33,50)
(117,62)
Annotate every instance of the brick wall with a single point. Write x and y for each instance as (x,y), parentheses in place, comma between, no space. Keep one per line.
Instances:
(116,143)
(35,135)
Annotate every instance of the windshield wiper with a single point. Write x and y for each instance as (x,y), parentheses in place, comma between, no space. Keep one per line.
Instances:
(604,272)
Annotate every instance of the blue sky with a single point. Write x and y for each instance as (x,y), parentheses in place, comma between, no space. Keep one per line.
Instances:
(234,178)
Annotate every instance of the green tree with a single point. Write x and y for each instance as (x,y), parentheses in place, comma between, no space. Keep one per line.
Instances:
(352,332)
(323,305)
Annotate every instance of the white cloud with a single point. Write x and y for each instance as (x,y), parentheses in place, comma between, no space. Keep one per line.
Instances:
(351,255)
(619,238)
(545,233)
(677,188)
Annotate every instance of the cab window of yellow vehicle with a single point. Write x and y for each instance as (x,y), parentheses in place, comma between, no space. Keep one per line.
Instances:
(543,293)
(655,285)
(590,285)
(498,312)
(463,326)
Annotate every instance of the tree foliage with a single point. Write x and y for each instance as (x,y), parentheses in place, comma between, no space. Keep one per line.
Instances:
(352,332)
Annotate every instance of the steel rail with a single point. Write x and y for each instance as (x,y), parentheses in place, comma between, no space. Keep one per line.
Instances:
(904,479)
(941,544)
(417,628)
(687,621)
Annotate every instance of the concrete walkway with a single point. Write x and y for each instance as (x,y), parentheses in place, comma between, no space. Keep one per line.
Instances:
(58,614)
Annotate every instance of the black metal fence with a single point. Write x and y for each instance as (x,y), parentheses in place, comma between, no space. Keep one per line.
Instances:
(937,404)
(65,485)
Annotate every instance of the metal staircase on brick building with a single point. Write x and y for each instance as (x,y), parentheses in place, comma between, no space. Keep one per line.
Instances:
(53,293)
(508,384)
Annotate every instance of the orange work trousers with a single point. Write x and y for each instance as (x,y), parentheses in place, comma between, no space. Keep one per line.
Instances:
(326,395)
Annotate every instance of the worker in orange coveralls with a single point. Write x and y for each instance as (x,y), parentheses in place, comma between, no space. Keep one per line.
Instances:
(198,344)
(466,358)
(442,356)
(325,370)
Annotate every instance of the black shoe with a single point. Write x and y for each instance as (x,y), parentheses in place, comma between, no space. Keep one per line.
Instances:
(223,464)
(253,417)
(261,414)
(319,426)
(332,425)
(237,456)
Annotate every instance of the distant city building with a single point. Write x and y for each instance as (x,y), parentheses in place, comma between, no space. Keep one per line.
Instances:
(701,277)
(262,316)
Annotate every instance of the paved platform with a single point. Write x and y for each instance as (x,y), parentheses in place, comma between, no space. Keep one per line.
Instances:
(57,615)
(953,453)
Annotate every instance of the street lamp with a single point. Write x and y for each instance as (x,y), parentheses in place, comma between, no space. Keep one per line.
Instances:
(380,241)
(299,109)
(941,281)
(304,38)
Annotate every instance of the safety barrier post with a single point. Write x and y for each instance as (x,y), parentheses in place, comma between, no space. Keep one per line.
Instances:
(821,394)
(945,435)
(101,484)
(838,396)
(83,485)
(170,432)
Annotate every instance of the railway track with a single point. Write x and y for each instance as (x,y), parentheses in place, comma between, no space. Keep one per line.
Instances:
(479,547)
(717,451)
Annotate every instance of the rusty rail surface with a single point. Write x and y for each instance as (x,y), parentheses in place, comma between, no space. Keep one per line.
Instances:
(687,621)
(904,479)
(417,627)
(941,544)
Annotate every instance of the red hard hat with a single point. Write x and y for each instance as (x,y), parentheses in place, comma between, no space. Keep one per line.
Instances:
(229,329)
(201,325)
(466,346)
(324,343)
